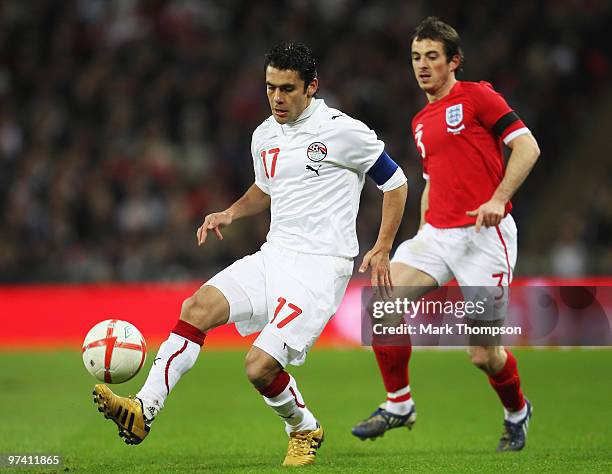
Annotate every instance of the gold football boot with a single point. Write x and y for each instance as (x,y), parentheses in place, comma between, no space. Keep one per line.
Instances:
(303,447)
(126,412)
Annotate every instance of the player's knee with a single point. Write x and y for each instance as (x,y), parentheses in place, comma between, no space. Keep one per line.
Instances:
(207,308)
(194,312)
(190,310)
(479,356)
(261,370)
(489,359)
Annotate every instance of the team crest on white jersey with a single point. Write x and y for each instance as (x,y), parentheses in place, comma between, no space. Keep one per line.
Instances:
(454,117)
(316,151)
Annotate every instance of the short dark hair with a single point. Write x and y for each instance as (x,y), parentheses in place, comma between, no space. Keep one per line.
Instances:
(294,57)
(435,29)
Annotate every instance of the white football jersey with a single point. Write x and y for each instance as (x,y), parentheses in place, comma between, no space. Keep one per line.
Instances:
(314,171)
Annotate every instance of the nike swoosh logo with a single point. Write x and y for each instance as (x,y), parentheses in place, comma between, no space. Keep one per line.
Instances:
(334,117)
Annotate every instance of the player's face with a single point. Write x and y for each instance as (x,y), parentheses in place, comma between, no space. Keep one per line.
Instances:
(286,93)
(433,72)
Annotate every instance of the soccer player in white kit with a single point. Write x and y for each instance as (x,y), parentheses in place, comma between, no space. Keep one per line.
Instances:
(310,165)
(466,230)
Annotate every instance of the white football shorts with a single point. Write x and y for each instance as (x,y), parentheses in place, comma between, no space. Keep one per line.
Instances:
(289,296)
(484,259)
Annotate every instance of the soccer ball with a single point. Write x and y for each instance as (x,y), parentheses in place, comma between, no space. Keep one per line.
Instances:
(114,351)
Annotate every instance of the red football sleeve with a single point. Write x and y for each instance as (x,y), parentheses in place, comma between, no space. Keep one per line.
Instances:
(494,112)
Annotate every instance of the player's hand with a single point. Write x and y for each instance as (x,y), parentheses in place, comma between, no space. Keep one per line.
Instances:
(489,214)
(213,222)
(378,260)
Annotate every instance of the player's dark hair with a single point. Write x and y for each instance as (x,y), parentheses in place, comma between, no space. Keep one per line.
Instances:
(294,57)
(435,29)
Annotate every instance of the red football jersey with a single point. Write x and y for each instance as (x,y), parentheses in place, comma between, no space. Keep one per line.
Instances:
(460,138)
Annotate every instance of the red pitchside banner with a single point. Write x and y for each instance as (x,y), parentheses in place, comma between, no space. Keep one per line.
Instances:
(45,316)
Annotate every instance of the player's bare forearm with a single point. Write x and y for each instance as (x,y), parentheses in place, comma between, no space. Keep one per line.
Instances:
(392,213)
(378,257)
(252,202)
(525,152)
(424,204)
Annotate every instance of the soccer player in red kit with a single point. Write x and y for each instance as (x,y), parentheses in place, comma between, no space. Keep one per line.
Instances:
(466,230)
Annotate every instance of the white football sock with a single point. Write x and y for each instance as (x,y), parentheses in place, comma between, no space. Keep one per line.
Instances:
(290,405)
(399,408)
(175,357)
(515,416)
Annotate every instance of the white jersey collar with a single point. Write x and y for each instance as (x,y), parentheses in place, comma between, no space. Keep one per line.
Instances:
(308,121)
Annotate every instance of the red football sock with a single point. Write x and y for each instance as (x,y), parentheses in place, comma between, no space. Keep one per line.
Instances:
(393,364)
(277,386)
(189,332)
(507,384)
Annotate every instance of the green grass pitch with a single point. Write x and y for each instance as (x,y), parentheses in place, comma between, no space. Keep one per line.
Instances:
(214,421)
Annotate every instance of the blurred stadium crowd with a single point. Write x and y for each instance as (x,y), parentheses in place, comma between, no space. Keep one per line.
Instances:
(122,123)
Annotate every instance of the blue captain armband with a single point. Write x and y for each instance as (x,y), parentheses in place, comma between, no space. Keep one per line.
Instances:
(386,173)
(382,169)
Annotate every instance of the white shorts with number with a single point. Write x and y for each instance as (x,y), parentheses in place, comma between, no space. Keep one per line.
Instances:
(289,296)
(476,259)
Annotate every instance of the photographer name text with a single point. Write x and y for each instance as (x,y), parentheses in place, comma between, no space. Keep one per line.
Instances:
(447,329)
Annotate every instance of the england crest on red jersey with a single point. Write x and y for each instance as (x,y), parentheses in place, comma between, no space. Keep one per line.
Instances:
(454,117)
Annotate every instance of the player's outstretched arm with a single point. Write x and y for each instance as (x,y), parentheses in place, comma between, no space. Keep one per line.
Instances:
(525,152)
(252,202)
(378,258)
